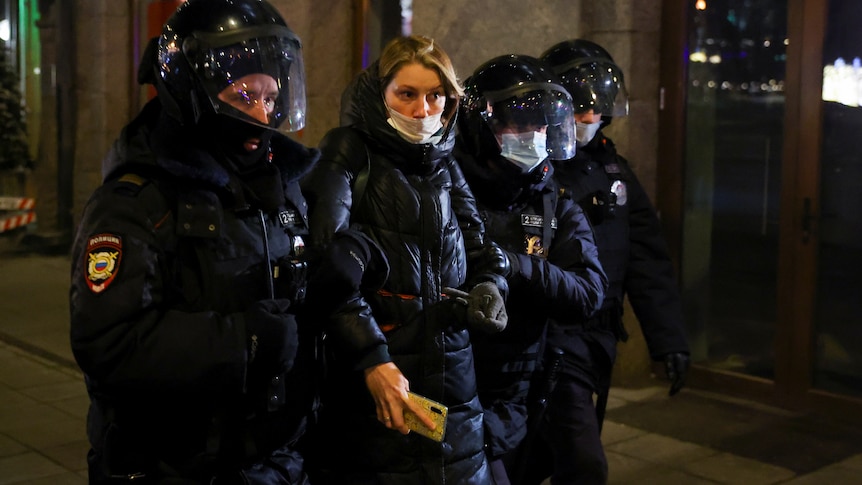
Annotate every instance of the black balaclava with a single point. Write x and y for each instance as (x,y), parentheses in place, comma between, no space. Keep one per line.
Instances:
(227,137)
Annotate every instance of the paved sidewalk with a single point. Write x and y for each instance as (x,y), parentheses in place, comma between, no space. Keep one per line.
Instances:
(43,407)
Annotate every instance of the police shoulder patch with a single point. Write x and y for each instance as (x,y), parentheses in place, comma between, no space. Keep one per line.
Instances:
(102,260)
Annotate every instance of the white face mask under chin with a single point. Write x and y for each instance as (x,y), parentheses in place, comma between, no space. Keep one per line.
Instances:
(526,150)
(585,132)
(415,130)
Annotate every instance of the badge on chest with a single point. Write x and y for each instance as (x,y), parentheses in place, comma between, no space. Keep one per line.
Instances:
(534,226)
(288,217)
(535,220)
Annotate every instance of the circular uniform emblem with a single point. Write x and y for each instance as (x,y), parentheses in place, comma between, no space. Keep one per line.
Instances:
(619,189)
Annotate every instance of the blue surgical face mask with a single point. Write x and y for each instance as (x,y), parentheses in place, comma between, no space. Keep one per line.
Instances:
(585,132)
(526,150)
(415,130)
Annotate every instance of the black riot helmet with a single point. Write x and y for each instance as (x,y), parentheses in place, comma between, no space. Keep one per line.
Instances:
(511,96)
(231,57)
(590,75)
(580,48)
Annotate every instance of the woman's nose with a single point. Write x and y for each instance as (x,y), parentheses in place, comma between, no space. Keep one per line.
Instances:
(422,108)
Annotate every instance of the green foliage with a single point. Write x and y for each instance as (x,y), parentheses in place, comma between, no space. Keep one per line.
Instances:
(14,151)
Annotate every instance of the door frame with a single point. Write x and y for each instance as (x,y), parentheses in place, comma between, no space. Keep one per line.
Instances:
(797,258)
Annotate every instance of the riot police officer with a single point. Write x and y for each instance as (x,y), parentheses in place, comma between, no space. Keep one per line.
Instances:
(634,256)
(515,118)
(187,265)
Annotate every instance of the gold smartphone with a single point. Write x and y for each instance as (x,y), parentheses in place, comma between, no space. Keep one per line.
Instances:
(435,410)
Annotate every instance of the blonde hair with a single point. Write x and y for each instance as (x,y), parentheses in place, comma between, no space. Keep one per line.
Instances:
(422,50)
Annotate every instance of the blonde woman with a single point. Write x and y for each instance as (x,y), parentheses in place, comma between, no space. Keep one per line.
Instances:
(389,172)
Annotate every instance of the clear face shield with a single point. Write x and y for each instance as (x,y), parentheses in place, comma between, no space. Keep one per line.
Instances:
(532,121)
(596,84)
(255,75)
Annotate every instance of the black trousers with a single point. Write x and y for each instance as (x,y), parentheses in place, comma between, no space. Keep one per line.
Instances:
(568,445)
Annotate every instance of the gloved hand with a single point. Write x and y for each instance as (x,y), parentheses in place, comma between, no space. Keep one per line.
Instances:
(676,367)
(291,281)
(494,260)
(486,309)
(349,263)
(272,337)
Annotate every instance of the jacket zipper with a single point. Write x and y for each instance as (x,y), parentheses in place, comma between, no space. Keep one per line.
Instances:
(269,283)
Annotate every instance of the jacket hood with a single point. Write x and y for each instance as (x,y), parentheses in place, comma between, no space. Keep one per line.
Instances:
(154,140)
(363,108)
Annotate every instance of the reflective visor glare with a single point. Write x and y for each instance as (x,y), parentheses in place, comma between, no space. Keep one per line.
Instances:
(561,127)
(606,89)
(278,58)
(521,113)
(621,103)
(535,111)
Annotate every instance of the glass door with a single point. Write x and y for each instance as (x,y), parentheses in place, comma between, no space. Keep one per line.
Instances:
(838,303)
(734,111)
(762,122)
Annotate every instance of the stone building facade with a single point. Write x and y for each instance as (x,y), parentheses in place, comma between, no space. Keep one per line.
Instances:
(89,91)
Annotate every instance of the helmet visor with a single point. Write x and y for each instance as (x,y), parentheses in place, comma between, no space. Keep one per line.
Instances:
(255,75)
(596,84)
(540,107)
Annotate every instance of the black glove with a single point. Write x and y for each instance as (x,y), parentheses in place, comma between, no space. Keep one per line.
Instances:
(272,337)
(676,367)
(291,281)
(486,309)
(492,259)
(349,263)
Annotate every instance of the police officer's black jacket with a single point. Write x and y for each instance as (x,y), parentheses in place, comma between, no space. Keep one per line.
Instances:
(631,246)
(418,209)
(169,253)
(556,272)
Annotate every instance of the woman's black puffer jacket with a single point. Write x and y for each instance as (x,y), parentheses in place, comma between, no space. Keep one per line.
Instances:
(418,209)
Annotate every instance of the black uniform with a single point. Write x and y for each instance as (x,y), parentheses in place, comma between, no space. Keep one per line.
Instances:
(555,272)
(171,252)
(635,258)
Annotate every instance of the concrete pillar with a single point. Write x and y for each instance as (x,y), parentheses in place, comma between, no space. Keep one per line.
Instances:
(105,71)
(327,32)
(43,179)
(630,31)
(473,32)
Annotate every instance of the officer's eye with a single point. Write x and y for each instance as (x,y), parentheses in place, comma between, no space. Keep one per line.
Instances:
(244,96)
(269,102)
